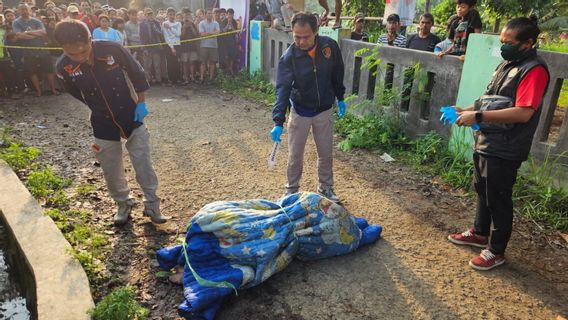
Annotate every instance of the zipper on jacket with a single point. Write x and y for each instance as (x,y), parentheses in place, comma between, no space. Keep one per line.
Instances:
(317,85)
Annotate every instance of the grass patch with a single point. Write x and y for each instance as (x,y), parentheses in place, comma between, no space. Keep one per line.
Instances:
(17,156)
(374,131)
(44,184)
(256,87)
(121,304)
(83,190)
(543,199)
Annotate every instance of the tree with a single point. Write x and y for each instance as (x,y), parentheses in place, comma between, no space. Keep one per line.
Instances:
(371,8)
(506,9)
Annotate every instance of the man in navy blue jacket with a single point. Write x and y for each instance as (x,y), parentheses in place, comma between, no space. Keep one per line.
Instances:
(107,78)
(310,78)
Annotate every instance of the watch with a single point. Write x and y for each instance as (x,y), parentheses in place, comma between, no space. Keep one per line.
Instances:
(479,116)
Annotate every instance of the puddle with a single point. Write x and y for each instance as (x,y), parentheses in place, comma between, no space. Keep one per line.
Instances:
(12,302)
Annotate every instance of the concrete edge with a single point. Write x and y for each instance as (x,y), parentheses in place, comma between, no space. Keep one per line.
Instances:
(62,287)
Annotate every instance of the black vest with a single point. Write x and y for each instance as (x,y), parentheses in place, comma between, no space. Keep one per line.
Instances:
(514,143)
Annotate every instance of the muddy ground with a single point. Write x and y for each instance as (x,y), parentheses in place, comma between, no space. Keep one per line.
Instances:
(212,145)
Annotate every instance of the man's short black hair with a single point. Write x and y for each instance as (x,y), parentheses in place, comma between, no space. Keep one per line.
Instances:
(428,16)
(230,11)
(71,32)
(470,3)
(303,18)
(393,17)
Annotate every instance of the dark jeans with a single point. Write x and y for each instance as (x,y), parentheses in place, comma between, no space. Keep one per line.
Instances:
(9,75)
(493,180)
(173,64)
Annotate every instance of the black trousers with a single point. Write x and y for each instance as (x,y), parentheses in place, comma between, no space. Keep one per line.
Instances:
(9,75)
(172,61)
(493,180)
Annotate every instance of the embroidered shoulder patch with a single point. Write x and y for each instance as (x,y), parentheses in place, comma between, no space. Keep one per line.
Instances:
(326,52)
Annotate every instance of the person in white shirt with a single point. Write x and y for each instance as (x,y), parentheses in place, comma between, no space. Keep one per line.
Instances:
(172,34)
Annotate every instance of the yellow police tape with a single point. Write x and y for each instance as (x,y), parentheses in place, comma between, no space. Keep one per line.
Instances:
(131,47)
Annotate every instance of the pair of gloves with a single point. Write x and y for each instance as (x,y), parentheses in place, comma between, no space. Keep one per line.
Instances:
(277,130)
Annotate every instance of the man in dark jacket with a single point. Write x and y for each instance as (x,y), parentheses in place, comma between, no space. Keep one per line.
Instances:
(310,76)
(107,78)
(151,33)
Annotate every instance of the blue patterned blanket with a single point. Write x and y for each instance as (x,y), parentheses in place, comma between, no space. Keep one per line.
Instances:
(233,245)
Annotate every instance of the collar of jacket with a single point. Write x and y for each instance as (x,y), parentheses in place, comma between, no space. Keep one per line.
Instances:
(320,43)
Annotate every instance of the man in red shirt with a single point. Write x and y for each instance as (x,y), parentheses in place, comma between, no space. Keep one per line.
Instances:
(508,115)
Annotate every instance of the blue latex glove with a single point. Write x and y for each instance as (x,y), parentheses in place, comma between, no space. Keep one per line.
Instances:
(276,133)
(141,111)
(450,115)
(342,107)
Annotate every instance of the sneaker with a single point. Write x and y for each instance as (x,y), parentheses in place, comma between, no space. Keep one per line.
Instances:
(487,260)
(152,210)
(123,212)
(329,193)
(468,238)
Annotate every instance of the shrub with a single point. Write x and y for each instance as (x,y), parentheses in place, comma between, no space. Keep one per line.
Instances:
(119,305)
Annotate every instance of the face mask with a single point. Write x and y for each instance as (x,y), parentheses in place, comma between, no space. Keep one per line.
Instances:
(512,52)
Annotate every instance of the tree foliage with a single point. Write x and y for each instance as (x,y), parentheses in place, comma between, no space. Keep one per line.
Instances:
(371,8)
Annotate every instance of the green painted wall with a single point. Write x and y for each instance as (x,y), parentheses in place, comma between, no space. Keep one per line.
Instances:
(482,57)
(255,54)
(336,34)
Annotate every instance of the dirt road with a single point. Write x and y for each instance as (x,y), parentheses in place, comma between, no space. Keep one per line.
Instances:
(209,145)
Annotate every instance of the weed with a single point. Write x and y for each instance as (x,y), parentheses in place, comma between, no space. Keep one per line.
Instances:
(59,199)
(83,190)
(540,197)
(119,305)
(77,213)
(60,219)
(89,248)
(92,265)
(378,128)
(44,184)
(17,156)
(256,87)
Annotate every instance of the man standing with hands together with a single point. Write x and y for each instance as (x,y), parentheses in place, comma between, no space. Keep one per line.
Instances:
(310,78)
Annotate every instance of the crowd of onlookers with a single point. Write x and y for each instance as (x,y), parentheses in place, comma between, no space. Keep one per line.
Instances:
(459,26)
(177,61)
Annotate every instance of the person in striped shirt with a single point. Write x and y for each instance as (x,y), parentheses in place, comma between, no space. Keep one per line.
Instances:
(392,37)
